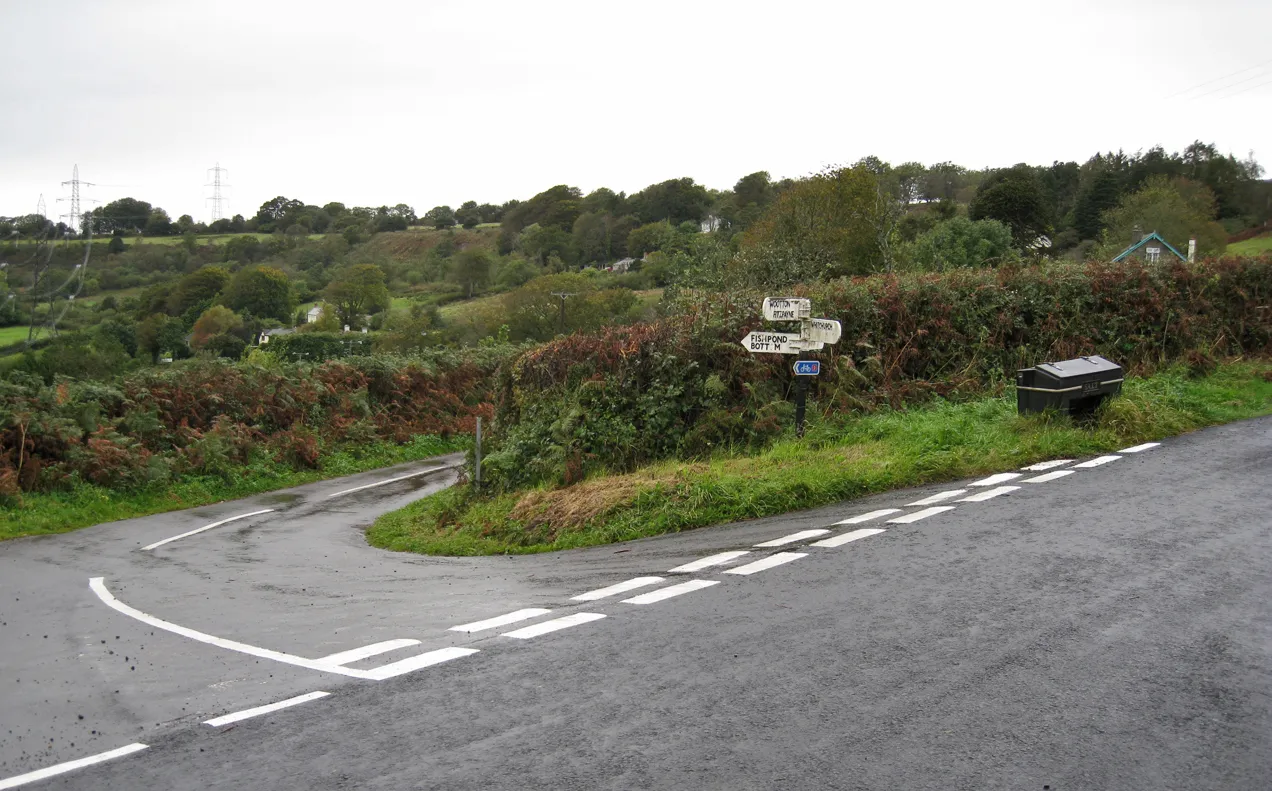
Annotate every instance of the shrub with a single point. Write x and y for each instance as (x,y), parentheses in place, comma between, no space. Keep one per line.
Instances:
(622,397)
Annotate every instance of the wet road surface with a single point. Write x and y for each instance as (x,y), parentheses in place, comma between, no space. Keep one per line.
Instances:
(1100,624)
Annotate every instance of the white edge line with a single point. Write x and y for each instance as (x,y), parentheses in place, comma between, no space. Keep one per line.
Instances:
(207,527)
(226,719)
(614,590)
(367,651)
(1140,448)
(389,481)
(69,766)
(500,620)
(98,586)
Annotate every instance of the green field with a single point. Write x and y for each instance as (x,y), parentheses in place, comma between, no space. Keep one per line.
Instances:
(11,335)
(1256,246)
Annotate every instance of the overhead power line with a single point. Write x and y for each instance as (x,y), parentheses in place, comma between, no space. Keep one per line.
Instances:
(1218,79)
(1256,76)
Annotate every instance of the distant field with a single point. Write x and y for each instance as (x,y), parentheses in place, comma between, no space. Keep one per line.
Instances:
(214,239)
(1255,246)
(11,335)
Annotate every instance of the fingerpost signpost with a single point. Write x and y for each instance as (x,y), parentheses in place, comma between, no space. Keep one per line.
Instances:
(813,335)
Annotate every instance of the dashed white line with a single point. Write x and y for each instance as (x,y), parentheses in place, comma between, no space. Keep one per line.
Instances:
(207,527)
(416,662)
(1097,461)
(710,560)
(856,520)
(366,651)
(924,514)
(767,563)
(1046,465)
(840,540)
(70,766)
(98,586)
(670,591)
(1050,476)
(614,590)
(939,497)
(1140,448)
(386,482)
(793,537)
(988,494)
(554,625)
(994,480)
(217,722)
(501,620)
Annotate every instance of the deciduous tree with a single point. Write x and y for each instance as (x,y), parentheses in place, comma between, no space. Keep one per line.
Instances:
(263,291)
(357,291)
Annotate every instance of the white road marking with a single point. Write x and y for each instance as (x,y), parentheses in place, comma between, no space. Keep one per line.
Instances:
(1050,476)
(375,649)
(988,494)
(793,537)
(938,497)
(924,514)
(226,719)
(98,586)
(711,560)
(994,480)
(1140,448)
(856,520)
(840,540)
(416,662)
(207,527)
(501,620)
(386,482)
(1097,461)
(767,563)
(70,766)
(554,625)
(1046,465)
(614,590)
(670,591)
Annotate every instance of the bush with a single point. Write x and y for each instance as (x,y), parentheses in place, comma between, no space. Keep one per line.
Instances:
(622,397)
(213,418)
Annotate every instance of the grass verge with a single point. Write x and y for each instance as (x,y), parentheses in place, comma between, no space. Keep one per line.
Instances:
(839,459)
(85,505)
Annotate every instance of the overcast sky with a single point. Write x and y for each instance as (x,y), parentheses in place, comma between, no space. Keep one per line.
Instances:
(429,101)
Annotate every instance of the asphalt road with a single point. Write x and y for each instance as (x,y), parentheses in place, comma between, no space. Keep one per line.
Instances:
(1108,628)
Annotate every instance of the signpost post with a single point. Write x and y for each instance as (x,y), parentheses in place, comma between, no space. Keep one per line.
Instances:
(813,336)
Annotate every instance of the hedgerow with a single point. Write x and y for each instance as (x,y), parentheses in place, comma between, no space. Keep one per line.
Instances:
(684,385)
(213,418)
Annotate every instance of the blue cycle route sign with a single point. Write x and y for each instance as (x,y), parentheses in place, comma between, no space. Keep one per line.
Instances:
(807,367)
